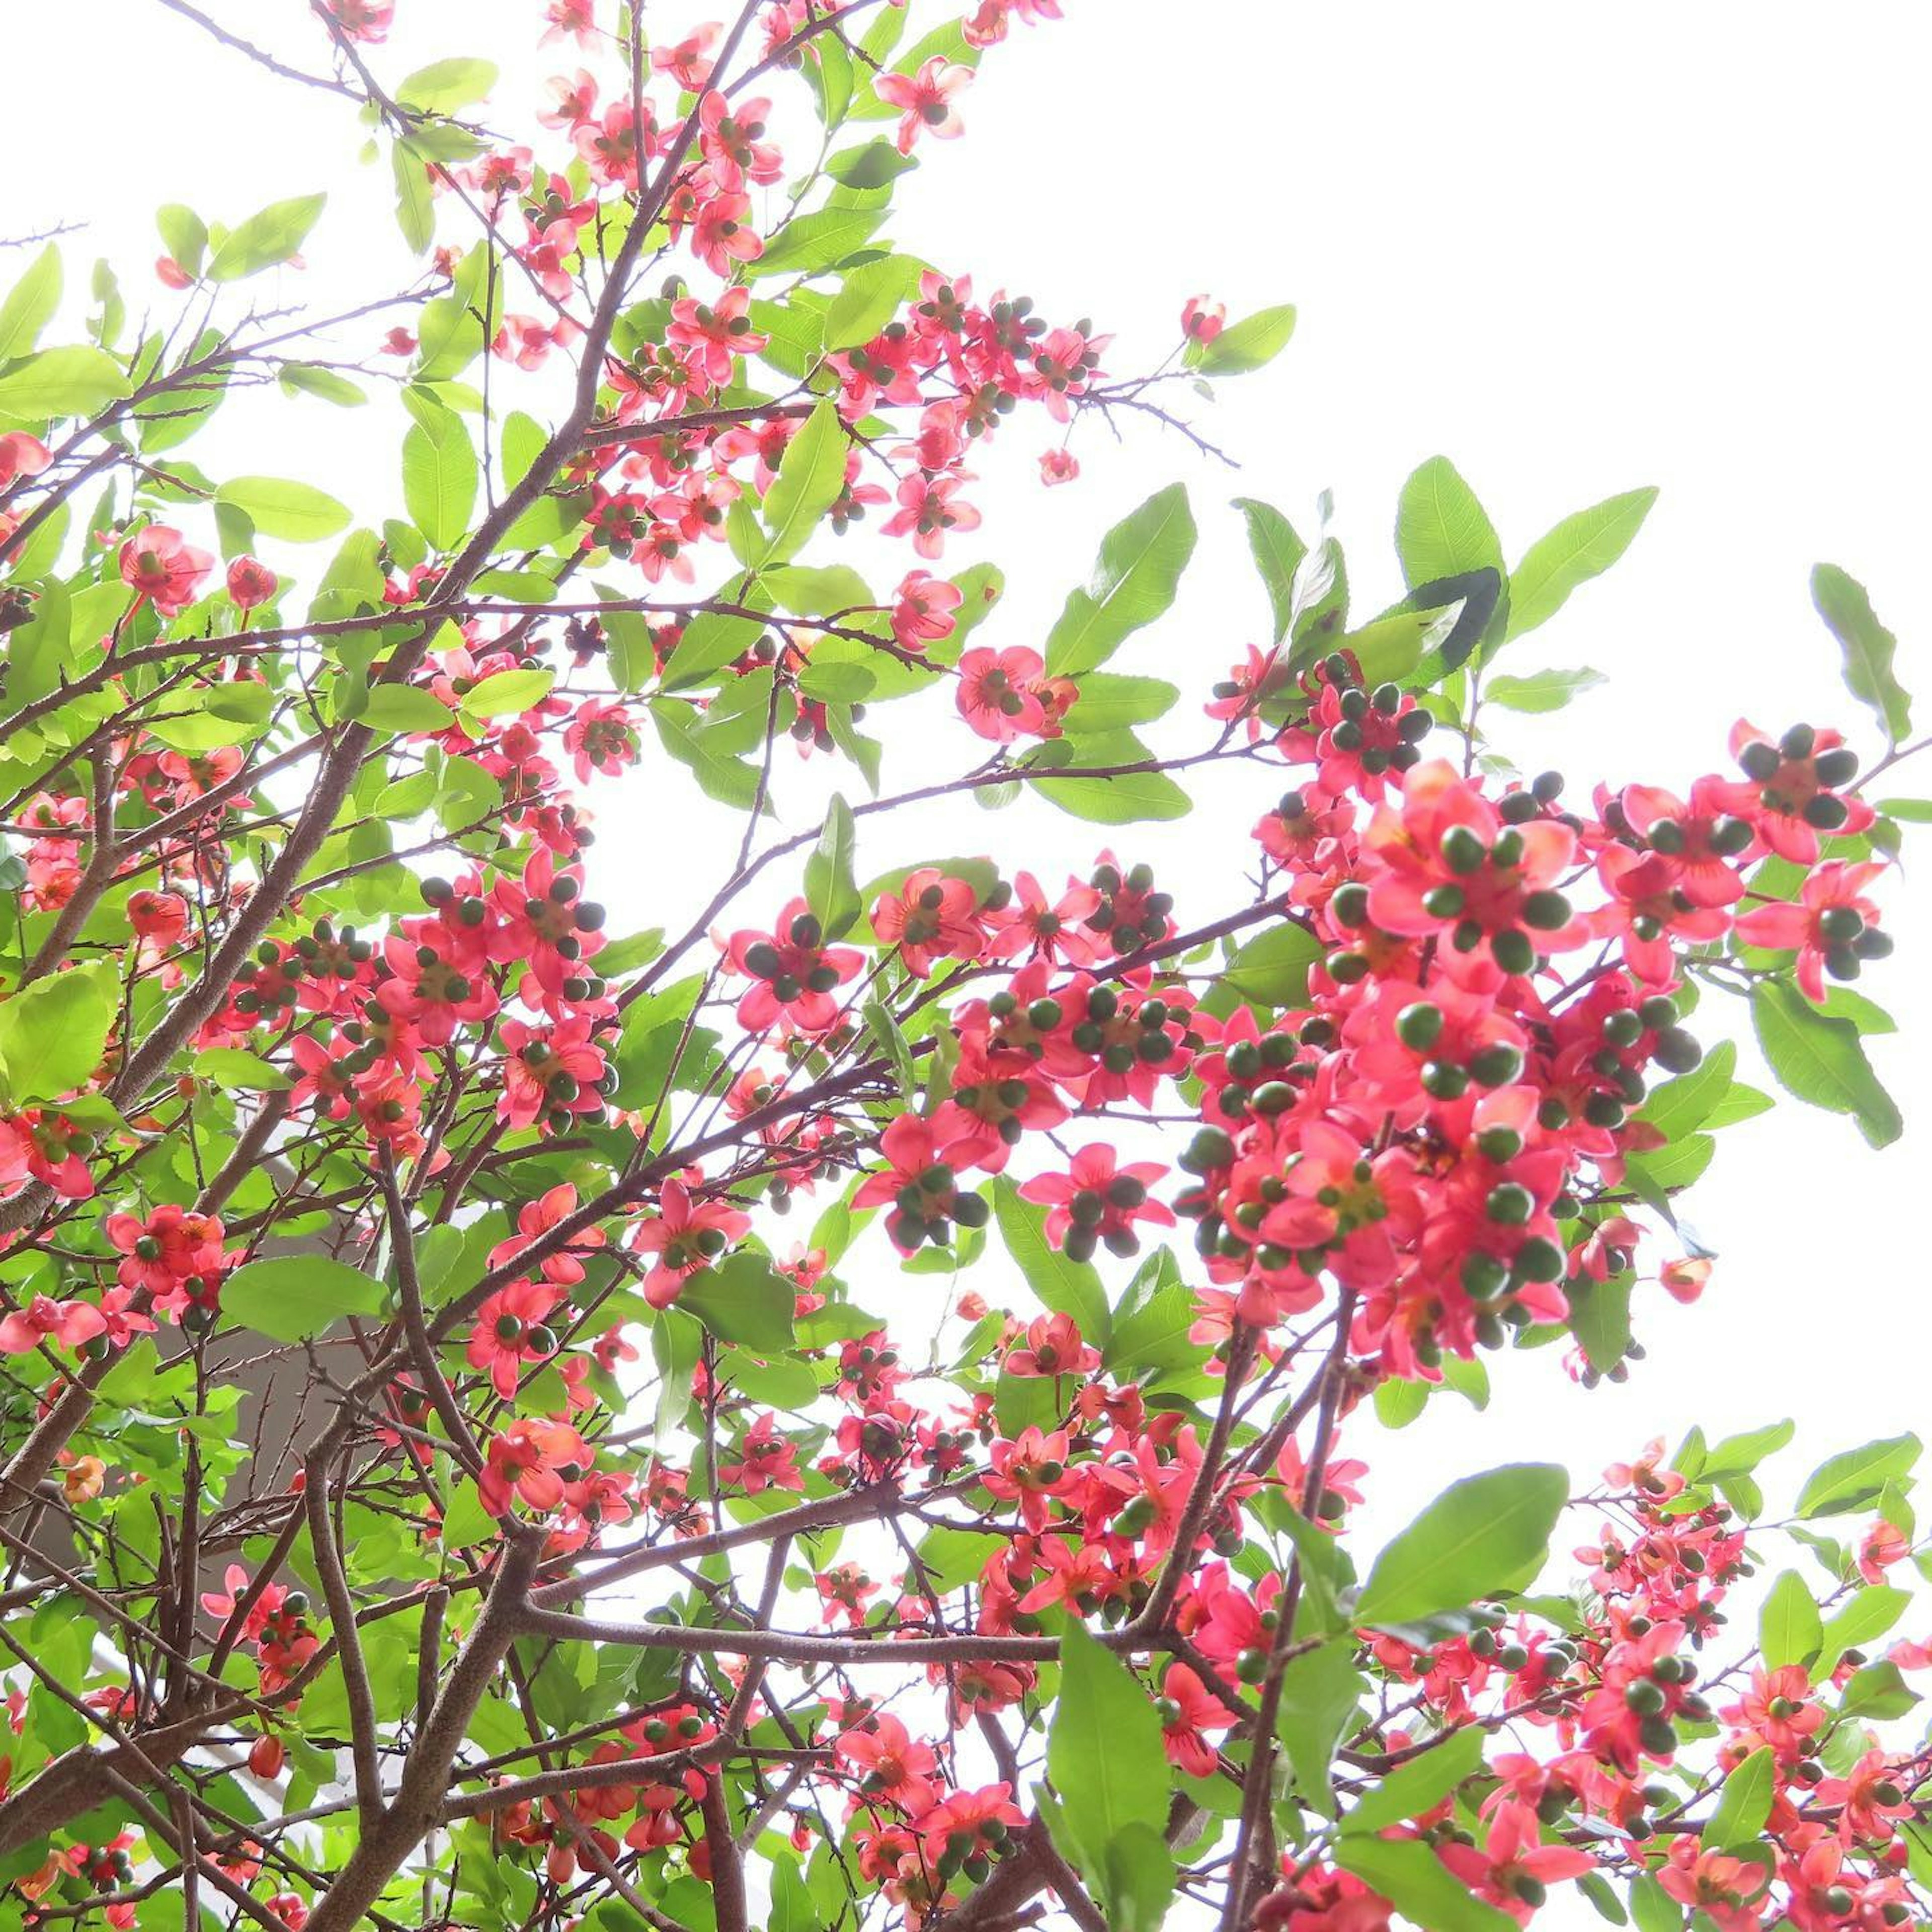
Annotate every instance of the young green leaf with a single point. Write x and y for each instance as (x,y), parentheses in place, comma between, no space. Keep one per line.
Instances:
(1820,1060)
(296,512)
(1440,530)
(811,475)
(1103,1751)
(831,889)
(1141,558)
(1580,547)
(1277,552)
(1867,647)
(1252,343)
(268,236)
(1065,1287)
(1789,1628)
(1489,1533)
(293,1298)
(30,305)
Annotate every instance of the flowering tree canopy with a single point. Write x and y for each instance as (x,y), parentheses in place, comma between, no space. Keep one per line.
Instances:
(501,1426)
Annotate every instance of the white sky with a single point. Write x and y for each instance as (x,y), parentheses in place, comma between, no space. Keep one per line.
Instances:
(1576,252)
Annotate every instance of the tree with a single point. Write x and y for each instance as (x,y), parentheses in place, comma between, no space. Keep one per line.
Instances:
(622,1567)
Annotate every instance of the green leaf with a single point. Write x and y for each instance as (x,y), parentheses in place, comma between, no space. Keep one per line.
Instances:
(1136,1879)
(1820,1060)
(1413,1788)
(1579,548)
(416,199)
(1848,1481)
(1867,647)
(876,164)
(1252,343)
(1141,558)
(78,382)
(1127,799)
(1440,530)
(1064,1286)
(445,85)
(1600,1320)
(712,640)
(1680,1106)
(1320,1690)
(1103,1751)
(821,240)
(744,1299)
(404,707)
(1652,1907)
(811,473)
(297,512)
(230,1067)
(721,775)
(503,692)
(30,305)
(1738,1455)
(292,1298)
(1109,702)
(1419,1885)
(871,296)
(1789,1629)
(1277,552)
(831,887)
(1271,969)
(52,1035)
(307,379)
(1486,1534)
(1879,1690)
(1543,690)
(271,235)
(1869,1614)
(439,472)
(1744,1803)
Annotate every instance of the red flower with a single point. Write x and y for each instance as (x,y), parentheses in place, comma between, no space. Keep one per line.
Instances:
(1187,1709)
(1097,1200)
(531,1461)
(512,1328)
(897,1770)
(796,973)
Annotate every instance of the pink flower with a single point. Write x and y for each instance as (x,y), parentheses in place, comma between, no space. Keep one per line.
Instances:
(926,508)
(926,99)
(22,455)
(686,1236)
(1058,465)
(251,582)
(65,1324)
(923,610)
(1201,320)
(1053,1347)
(716,333)
(163,569)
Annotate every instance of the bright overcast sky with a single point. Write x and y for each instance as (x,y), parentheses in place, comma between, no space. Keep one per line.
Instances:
(1577,251)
